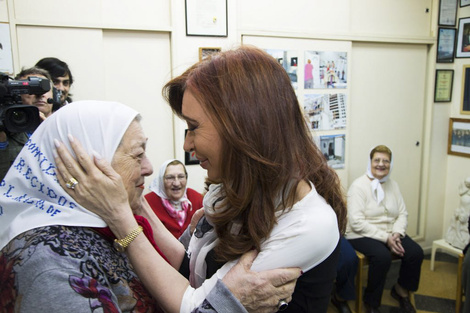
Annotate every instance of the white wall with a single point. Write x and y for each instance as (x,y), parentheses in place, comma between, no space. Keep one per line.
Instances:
(457,168)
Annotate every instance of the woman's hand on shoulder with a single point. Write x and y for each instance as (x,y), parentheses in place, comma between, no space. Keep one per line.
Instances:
(100,189)
(260,291)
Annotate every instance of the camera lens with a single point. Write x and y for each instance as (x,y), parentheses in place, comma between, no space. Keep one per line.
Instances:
(19,118)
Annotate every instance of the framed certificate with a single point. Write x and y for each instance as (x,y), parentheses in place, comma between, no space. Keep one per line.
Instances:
(443,85)
(445,45)
(447,12)
(206,18)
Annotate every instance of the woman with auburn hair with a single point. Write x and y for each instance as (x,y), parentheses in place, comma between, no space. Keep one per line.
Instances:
(269,186)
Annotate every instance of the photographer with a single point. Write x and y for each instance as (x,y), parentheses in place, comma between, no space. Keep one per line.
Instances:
(12,143)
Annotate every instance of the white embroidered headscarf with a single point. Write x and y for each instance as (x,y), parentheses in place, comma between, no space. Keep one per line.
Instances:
(30,194)
(376,184)
(158,186)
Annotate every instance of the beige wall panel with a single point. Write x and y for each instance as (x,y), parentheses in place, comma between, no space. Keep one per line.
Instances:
(81,49)
(146,14)
(304,16)
(387,107)
(137,65)
(58,12)
(398,18)
(3,11)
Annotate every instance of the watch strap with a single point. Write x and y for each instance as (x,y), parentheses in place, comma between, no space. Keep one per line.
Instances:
(125,242)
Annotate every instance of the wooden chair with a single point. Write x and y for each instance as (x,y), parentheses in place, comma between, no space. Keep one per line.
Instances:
(459,296)
(363,261)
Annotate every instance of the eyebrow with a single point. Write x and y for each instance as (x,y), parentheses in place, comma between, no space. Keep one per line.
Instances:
(187,118)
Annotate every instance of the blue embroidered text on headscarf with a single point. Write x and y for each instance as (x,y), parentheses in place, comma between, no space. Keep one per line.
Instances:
(30,195)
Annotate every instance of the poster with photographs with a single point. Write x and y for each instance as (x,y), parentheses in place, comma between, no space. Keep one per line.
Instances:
(325,69)
(325,111)
(288,59)
(333,148)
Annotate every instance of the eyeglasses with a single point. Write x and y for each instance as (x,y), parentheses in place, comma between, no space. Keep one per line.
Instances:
(173,178)
(384,161)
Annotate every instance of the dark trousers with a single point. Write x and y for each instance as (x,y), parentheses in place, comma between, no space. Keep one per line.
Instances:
(380,259)
(346,271)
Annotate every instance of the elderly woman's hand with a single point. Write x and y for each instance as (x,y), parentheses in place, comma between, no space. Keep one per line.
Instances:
(260,291)
(100,189)
(394,243)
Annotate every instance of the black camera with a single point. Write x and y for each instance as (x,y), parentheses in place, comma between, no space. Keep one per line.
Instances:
(16,117)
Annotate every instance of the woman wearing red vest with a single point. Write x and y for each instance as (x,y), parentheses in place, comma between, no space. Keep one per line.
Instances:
(173,203)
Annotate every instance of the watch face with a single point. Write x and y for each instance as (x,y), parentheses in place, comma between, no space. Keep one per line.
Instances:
(118,246)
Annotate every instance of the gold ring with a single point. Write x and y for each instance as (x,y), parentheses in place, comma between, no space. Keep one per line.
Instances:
(71,183)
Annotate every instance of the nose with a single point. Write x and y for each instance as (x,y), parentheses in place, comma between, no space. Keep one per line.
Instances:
(147,168)
(59,86)
(188,142)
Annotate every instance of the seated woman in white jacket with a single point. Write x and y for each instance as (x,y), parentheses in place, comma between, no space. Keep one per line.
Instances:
(377,220)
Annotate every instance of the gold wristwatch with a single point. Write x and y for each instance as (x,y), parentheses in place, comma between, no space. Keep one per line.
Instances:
(121,244)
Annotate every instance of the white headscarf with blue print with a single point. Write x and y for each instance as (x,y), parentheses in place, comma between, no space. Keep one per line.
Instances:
(30,195)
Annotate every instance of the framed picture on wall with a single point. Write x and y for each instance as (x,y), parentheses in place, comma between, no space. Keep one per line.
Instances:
(459,137)
(443,85)
(6,56)
(206,18)
(447,12)
(465,106)
(463,39)
(445,45)
(204,52)
(464,3)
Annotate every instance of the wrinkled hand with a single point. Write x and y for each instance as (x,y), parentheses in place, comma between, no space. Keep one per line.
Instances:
(100,189)
(394,243)
(260,291)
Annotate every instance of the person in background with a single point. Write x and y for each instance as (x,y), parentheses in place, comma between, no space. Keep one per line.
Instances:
(345,280)
(12,143)
(308,73)
(269,186)
(61,77)
(56,256)
(377,220)
(171,200)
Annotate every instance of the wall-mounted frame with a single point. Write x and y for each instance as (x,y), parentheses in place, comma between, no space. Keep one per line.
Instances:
(189,157)
(464,3)
(463,39)
(443,85)
(465,100)
(204,52)
(459,137)
(445,45)
(6,56)
(447,12)
(206,18)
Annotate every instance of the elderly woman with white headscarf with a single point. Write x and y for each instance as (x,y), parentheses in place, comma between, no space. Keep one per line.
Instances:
(57,256)
(377,220)
(171,200)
